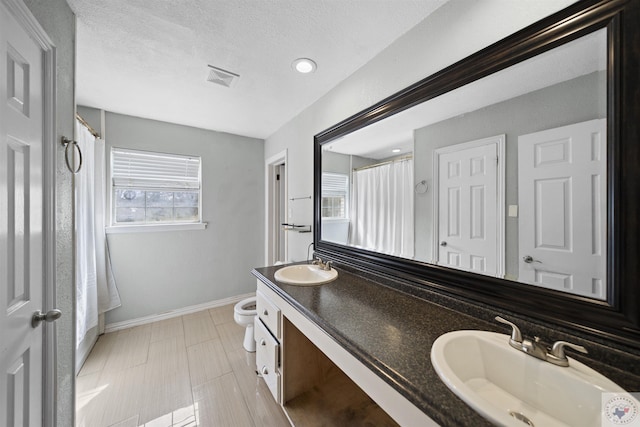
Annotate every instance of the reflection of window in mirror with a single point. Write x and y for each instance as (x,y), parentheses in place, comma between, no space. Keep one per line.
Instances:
(335,207)
(335,193)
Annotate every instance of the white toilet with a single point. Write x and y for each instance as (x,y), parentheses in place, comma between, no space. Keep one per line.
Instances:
(243,313)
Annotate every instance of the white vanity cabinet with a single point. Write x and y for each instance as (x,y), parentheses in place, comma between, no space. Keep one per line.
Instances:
(315,379)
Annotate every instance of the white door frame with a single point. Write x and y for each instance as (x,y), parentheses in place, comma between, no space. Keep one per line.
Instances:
(270,207)
(26,19)
(499,141)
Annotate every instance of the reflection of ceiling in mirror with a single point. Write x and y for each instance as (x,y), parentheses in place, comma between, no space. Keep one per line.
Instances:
(577,58)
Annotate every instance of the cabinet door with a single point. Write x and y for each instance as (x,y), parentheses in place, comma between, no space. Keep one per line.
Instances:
(267,358)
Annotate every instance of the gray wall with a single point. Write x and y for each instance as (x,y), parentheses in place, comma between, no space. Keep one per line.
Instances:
(160,271)
(574,101)
(454,31)
(345,163)
(336,163)
(91,115)
(58,21)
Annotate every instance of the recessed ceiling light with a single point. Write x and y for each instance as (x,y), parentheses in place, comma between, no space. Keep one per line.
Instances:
(304,65)
(395,150)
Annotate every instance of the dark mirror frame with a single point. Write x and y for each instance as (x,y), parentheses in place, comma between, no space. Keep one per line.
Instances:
(617,318)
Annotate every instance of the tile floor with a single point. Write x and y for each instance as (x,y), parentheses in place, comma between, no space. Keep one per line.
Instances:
(186,371)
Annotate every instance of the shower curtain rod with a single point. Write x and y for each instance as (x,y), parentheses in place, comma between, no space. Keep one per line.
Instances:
(87,125)
(399,159)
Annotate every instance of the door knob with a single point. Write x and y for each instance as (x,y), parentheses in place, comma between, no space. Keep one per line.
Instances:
(529,259)
(49,316)
(443,243)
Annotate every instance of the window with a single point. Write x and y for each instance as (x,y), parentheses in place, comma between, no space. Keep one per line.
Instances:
(335,192)
(154,188)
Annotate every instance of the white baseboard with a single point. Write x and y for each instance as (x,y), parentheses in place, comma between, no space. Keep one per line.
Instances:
(117,326)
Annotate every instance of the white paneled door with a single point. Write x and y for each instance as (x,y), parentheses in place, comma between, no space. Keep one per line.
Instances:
(562,197)
(23,114)
(468,200)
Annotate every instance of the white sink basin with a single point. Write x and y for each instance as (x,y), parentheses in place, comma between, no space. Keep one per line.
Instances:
(509,387)
(305,275)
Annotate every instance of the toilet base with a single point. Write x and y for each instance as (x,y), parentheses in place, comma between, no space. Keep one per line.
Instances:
(249,343)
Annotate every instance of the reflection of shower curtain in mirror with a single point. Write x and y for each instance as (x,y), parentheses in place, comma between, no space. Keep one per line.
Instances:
(96,291)
(382,209)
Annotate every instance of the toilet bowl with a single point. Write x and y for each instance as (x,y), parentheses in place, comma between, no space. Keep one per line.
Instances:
(243,313)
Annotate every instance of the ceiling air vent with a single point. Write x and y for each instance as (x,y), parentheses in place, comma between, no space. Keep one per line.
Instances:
(221,77)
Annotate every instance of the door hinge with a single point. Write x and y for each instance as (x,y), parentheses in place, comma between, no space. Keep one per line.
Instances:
(278,177)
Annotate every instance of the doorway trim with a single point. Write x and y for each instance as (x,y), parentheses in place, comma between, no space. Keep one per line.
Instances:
(26,19)
(271,209)
(499,141)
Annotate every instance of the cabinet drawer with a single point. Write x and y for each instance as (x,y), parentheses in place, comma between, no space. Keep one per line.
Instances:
(267,357)
(268,313)
(267,347)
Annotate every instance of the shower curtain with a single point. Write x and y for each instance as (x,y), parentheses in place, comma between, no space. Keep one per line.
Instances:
(382,209)
(96,290)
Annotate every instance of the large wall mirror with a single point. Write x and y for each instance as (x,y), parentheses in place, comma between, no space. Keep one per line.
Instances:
(503,177)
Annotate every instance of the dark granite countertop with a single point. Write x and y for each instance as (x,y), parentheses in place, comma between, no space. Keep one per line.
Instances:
(391,332)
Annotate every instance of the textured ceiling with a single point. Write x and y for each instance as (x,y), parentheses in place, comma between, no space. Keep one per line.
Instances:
(149,58)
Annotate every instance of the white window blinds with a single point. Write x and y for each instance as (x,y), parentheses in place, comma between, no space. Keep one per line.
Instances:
(140,169)
(335,193)
(335,185)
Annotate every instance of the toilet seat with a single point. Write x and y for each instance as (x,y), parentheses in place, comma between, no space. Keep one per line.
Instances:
(246,307)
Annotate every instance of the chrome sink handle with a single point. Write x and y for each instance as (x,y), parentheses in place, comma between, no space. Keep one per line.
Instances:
(535,348)
(318,261)
(557,355)
(321,264)
(516,335)
(532,348)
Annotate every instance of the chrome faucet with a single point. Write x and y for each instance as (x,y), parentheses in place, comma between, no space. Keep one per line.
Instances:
(535,348)
(321,264)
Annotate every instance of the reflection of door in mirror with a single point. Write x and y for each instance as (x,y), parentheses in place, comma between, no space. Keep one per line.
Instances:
(562,198)
(470,194)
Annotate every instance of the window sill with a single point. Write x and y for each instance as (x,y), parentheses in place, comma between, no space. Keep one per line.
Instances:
(152,228)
